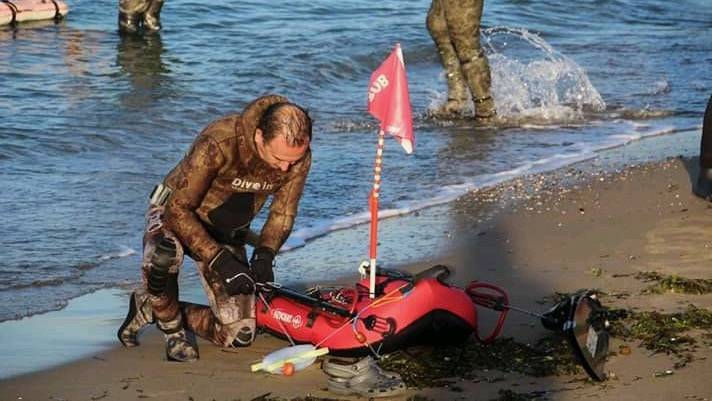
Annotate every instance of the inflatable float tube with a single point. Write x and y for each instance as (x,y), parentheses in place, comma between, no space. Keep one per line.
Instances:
(14,11)
(408,310)
(420,309)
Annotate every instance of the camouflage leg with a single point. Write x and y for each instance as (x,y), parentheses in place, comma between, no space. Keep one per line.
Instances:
(463,21)
(140,312)
(201,320)
(178,346)
(456,90)
(130,14)
(479,80)
(230,320)
(163,257)
(152,17)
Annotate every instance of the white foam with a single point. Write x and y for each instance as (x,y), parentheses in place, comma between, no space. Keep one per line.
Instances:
(582,151)
(124,252)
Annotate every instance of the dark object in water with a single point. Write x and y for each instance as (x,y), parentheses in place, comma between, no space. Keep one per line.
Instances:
(703,189)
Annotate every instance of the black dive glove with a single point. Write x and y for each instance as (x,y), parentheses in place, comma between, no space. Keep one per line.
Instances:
(261,264)
(235,275)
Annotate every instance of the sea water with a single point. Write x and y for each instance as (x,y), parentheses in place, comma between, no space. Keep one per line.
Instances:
(91,121)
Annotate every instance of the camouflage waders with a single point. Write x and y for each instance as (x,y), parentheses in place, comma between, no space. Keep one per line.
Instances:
(455,28)
(228,321)
(136,13)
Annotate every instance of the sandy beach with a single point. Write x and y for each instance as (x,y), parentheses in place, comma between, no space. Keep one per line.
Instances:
(583,181)
(559,232)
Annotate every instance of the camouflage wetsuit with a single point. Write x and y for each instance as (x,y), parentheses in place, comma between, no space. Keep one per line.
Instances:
(136,13)
(216,190)
(455,27)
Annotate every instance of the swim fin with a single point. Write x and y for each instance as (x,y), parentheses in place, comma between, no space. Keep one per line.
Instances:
(583,321)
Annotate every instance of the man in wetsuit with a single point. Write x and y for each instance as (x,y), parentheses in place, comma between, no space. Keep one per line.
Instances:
(136,13)
(204,208)
(455,27)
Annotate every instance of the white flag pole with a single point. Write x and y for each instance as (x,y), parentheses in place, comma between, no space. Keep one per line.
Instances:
(373,203)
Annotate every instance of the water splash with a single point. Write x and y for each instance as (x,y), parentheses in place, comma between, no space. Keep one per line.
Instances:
(533,83)
(532,80)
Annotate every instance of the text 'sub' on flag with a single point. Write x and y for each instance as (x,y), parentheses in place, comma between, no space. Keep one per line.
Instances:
(389,101)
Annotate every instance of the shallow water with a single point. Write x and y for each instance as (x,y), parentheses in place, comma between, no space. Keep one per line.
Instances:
(91,121)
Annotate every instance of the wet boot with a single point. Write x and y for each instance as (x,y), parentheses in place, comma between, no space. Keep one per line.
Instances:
(139,316)
(152,17)
(128,23)
(479,80)
(456,104)
(130,13)
(703,189)
(178,347)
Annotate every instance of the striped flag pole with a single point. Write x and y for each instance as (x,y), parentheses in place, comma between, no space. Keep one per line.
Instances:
(373,204)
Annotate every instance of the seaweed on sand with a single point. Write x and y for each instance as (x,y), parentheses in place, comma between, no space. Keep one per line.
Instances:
(434,366)
(663,333)
(509,395)
(674,283)
(268,397)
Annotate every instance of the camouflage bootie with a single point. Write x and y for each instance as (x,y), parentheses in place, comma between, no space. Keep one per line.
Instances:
(129,23)
(484,110)
(456,104)
(179,348)
(139,316)
(152,17)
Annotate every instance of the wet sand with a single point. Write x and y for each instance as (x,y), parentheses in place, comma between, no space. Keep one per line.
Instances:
(572,229)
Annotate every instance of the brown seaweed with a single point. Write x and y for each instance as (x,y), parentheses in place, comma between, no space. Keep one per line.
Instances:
(435,367)
(674,284)
(509,395)
(663,333)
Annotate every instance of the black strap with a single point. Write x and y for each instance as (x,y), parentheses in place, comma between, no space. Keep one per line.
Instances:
(57,14)
(13,8)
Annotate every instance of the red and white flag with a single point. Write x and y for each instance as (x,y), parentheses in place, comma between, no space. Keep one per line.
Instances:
(388,99)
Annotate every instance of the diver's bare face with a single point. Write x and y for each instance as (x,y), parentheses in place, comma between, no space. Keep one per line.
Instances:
(277,153)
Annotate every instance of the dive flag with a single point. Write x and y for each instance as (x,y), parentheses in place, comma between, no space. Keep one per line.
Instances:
(388,99)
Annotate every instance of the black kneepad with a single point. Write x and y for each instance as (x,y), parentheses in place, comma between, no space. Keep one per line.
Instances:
(164,256)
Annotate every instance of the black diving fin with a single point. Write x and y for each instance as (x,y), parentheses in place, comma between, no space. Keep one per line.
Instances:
(583,321)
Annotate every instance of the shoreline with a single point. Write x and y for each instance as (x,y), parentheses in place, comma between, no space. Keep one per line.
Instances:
(528,249)
(344,241)
(495,213)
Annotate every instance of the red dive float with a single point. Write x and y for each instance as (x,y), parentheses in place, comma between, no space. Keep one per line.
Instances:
(388,309)
(14,11)
(419,309)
